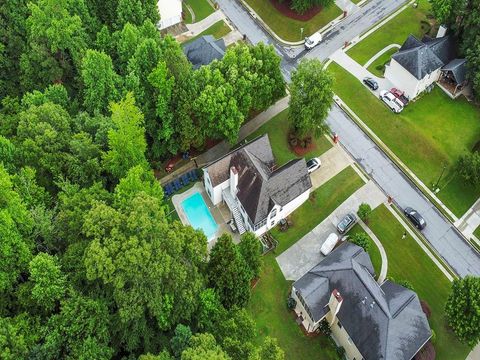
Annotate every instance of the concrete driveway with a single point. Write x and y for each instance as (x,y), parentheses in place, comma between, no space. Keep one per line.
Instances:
(333,161)
(305,253)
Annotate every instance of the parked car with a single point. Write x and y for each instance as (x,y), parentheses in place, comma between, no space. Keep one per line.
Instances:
(417,220)
(346,223)
(372,84)
(313,164)
(329,244)
(400,95)
(313,40)
(391,101)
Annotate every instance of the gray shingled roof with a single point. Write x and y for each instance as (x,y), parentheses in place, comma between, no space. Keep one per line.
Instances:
(397,326)
(204,50)
(458,67)
(421,58)
(260,185)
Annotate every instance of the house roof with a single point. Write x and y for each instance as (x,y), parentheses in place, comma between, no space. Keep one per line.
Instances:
(397,326)
(458,67)
(203,50)
(260,184)
(422,57)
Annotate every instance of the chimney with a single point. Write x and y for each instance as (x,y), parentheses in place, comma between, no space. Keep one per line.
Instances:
(442,31)
(334,304)
(233,181)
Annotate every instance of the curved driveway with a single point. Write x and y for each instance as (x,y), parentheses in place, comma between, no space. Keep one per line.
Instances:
(440,233)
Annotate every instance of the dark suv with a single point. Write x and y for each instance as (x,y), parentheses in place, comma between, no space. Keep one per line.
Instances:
(346,223)
(372,84)
(417,220)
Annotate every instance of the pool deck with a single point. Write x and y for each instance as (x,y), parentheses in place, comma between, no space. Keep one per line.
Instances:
(220,213)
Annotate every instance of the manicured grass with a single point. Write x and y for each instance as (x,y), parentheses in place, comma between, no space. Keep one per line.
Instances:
(431,132)
(217,30)
(373,251)
(186,14)
(268,306)
(394,32)
(407,261)
(289,29)
(201,8)
(378,66)
(477,232)
(320,204)
(277,129)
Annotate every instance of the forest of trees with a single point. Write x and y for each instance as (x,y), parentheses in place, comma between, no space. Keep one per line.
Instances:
(91,98)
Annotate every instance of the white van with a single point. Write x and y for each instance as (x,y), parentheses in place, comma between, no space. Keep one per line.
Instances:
(313,40)
(329,244)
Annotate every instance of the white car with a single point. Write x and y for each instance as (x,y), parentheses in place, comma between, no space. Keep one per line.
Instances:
(392,102)
(313,164)
(329,244)
(313,40)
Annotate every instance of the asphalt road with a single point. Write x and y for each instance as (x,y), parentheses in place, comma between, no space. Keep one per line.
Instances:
(440,233)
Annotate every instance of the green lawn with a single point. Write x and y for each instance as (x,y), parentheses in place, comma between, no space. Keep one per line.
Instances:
(187,15)
(277,129)
(268,303)
(429,133)
(217,30)
(477,232)
(373,251)
(395,31)
(289,29)
(201,8)
(407,261)
(321,204)
(378,66)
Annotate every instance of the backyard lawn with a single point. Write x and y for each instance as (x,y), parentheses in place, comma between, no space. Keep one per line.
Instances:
(287,28)
(321,203)
(373,251)
(395,31)
(201,8)
(407,261)
(268,303)
(277,129)
(430,133)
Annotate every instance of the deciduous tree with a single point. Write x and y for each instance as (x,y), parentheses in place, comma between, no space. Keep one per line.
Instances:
(204,347)
(361,239)
(251,250)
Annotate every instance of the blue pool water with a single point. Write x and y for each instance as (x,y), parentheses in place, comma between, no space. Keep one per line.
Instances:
(199,216)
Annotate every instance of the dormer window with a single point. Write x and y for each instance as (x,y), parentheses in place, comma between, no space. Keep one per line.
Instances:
(273,213)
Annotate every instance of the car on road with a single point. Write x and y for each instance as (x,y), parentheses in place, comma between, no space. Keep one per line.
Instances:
(400,95)
(391,101)
(313,40)
(313,164)
(346,223)
(417,220)
(329,244)
(372,84)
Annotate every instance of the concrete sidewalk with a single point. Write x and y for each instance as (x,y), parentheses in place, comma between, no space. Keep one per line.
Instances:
(384,269)
(198,27)
(305,253)
(380,53)
(347,5)
(470,220)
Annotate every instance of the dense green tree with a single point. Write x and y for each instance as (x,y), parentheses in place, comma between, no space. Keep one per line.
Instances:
(364,211)
(251,250)
(7,154)
(181,340)
(361,239)
(49,283)
(443,10)
(311,98)
(210,310)
(469,168)
(228,273)
(302,6)
(99,80)
(56,94)
(129,11)
(463,309)
(269,350)
(127,140)
(204,347)
(25,184)
(164,355)
(18,335)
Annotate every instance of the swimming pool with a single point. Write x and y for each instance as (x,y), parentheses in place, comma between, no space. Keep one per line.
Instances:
(199,216)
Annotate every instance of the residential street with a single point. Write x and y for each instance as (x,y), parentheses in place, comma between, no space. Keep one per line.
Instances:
(441,234)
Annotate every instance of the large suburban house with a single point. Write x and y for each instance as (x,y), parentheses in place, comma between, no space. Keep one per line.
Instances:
(257,192)
(170,13)
(418,64)
(370,321)
(203,50)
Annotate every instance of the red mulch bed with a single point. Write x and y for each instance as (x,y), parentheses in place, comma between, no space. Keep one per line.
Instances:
(284,8)
(301,151)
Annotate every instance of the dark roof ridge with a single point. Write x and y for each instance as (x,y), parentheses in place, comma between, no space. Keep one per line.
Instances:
(382,303)
(405,304)
(285,166)
(254,158)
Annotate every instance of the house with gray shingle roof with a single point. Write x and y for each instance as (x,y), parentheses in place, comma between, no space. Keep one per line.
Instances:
(203,50)
(418,64)
(370,321)
(257,192)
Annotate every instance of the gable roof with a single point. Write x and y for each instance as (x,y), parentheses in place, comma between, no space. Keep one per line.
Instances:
(203,50)
(398,328)
(421,58)
(458,67)
(260,185)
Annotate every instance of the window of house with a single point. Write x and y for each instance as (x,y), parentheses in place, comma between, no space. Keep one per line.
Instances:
(273,213)
(208,192)
(272,223)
